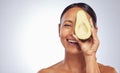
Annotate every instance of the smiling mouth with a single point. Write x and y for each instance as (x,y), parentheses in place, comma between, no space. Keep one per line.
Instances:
(73,42)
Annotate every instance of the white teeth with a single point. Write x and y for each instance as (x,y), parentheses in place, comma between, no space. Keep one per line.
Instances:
(72,41)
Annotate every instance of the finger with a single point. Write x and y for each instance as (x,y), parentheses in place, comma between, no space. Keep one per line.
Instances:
(94,37)
(93,30)
(90,52)
(79,42)
(91,22)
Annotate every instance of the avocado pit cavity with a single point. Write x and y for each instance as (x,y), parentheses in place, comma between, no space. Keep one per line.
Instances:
(82,26)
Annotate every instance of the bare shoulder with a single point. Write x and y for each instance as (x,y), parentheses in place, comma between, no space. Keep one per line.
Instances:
(45,70)
(51,69)
(42,71)
(106,69)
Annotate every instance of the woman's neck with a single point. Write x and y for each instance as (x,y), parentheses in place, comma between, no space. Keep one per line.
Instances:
(75,62)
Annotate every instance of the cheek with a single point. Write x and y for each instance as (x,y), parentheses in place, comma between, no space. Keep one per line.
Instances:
(64,33)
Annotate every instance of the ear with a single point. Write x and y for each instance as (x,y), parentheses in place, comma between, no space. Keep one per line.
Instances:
(96,29)
(59,29)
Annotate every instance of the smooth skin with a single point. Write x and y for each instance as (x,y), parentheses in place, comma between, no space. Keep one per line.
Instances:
(80,56)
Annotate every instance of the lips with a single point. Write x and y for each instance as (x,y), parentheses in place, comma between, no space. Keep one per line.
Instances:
(72,41)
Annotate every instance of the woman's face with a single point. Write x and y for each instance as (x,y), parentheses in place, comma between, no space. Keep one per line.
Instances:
(66,30)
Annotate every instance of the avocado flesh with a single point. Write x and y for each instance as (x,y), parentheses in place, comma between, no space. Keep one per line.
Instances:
(82,26)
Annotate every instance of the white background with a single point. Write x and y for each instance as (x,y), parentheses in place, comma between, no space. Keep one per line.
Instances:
(29,37)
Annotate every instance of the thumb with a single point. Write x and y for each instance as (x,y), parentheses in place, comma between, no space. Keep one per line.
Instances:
(79,42)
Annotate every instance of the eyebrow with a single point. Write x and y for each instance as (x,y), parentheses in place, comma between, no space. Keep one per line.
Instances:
(68,21)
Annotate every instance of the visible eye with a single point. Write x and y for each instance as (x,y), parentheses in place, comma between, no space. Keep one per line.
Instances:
(67,25)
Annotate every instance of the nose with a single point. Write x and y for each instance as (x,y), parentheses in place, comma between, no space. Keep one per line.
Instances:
(72,32)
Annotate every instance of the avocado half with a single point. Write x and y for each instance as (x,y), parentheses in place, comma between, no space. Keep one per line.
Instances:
(82,26)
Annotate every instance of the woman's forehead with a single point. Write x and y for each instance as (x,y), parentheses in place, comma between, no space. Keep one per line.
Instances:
(71,14)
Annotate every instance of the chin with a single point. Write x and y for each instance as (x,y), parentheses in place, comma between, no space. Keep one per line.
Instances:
(73,50)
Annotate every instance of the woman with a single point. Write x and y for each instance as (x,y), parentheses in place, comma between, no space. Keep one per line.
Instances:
(80,56)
